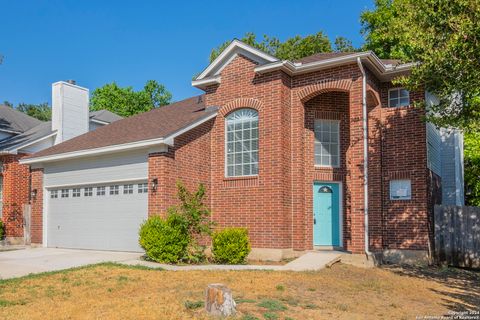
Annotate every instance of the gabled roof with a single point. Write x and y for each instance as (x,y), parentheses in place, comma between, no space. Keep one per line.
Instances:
(385,70)
(35,134)
(15,121)
(104,116)
(155,127)
(44,130)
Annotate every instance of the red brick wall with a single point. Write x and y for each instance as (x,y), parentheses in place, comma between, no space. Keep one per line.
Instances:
(261,203)
(37,207)
(188,161)
(16,180)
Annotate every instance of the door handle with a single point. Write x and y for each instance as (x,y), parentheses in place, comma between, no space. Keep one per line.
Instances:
(314,220)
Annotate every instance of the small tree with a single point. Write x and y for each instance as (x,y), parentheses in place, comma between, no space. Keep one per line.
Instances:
(197,219)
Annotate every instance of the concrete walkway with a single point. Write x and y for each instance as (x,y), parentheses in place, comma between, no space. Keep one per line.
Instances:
(311,261)
(19,263)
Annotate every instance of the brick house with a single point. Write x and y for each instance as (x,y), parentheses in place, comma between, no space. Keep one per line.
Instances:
(22,135)
(282,150)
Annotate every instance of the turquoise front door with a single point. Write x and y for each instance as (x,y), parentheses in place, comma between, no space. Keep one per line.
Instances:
(326,214)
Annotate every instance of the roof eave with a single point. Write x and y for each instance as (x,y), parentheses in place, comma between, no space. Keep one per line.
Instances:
(161,141)
(203,83)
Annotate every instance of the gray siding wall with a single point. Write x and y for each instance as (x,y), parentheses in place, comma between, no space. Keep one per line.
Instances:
(94,170)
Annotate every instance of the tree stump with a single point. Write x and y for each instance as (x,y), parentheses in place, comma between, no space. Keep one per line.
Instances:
(219,300)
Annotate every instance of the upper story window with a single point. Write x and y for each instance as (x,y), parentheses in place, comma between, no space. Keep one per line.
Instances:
(398,97)
(241,143)
(327,143)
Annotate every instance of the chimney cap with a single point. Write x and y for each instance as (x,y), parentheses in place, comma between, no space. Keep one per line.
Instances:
(71,81)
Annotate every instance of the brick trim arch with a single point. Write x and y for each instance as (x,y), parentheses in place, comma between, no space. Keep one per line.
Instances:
(241,103)
(310,91)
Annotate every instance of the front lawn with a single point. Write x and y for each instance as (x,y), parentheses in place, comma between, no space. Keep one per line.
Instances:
(110,291)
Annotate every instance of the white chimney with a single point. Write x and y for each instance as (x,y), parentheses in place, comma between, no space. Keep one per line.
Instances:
(70,112)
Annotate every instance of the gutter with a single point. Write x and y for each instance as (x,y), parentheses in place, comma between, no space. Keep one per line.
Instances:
(365,154)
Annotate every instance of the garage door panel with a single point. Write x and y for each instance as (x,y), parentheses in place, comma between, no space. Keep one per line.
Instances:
(108,222)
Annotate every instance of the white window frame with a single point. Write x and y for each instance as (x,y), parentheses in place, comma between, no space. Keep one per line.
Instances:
(143,187)
(88,192)
(114,190)
(65,193)
(53,194)
(408,195)
(398,98)
(337,122)
(226,146)
(128,189)
(76,192)
(101,191)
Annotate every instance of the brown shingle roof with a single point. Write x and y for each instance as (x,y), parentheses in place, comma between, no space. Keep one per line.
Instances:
(157,123)
(330,55)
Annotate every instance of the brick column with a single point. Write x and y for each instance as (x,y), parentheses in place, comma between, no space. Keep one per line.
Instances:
(37,207)
(160,167)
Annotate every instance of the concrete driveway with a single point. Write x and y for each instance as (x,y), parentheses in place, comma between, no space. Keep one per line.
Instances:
(19,263)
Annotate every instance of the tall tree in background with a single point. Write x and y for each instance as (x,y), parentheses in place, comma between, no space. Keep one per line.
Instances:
(343,44)
(443,36)
(127,102)
(291,49)
(40,111)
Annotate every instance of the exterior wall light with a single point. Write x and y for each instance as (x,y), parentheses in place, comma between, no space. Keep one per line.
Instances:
(33,194)
(154,184)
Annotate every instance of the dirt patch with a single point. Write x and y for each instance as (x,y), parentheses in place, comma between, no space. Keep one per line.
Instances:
(342,292)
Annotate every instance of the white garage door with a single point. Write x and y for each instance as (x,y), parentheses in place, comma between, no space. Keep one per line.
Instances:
(100,217)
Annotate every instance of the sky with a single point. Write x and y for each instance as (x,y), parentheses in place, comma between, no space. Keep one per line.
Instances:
(130,42)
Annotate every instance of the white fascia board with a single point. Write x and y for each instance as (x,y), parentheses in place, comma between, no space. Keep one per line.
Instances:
(234,45)
(295,69)
(206,82)
(97,182)
(166,141)
(32,142)
(99,121)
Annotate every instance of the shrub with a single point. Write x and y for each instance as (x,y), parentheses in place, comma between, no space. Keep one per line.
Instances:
(231,245)
(2,230)
(164,240)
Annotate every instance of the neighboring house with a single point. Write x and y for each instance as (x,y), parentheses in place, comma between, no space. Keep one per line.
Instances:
(280,146)
(22,135)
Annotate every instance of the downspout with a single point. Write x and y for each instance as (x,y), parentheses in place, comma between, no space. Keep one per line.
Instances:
(365,154)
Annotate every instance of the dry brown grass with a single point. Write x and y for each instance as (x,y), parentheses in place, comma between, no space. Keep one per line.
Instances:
(342,292)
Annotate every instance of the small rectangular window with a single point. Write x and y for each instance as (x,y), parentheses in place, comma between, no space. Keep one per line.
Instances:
(65,193)
(398,97)
(114,190)
(400,189)
(54,194)
(100,191)
(143,188)
(327,143)
(128,189)
(88,192)
(76,192)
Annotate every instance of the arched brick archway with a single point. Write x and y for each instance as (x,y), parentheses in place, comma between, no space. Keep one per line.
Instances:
(310,91)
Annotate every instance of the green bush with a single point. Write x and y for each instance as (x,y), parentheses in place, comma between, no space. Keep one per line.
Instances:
(2,230)
(231,245)
(164,240)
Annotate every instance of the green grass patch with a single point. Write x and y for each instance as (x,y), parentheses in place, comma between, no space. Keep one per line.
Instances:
(270,316)
(272,305)
(249,317)
(192,305)
(243,300)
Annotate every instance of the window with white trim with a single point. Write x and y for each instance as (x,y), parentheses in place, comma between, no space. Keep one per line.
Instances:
(327,143)
(88,192)
(100,191)
(241,143)
(398,97)
(143,188)
(76,192)
(114,190)
(400,189)
(65,193)
(128,189)
(54,194)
